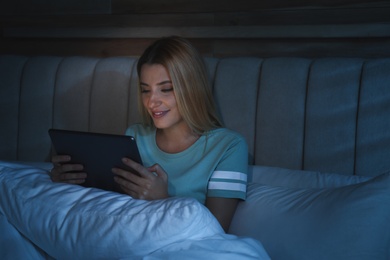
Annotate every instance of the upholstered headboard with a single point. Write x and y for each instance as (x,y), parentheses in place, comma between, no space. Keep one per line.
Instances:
(330,114)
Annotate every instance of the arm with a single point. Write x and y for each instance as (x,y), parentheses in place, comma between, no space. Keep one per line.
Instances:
(227,184)
(223,209)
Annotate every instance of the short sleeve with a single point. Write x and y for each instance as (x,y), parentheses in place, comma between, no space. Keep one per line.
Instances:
(229,180)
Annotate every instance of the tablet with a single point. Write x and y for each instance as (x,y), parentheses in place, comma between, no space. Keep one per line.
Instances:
(98,153)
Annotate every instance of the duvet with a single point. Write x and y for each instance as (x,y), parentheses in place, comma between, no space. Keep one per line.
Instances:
(40,219)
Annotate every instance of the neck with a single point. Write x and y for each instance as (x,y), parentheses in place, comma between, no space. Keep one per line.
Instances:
(175,140)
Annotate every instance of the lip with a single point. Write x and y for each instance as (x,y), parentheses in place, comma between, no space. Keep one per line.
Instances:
(159,114)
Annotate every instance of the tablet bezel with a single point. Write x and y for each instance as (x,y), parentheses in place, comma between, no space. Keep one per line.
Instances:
(98,153)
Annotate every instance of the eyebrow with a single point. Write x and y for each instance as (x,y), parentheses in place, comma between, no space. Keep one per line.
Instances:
(159,84)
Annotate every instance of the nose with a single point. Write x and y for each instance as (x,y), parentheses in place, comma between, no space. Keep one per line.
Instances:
(154,99)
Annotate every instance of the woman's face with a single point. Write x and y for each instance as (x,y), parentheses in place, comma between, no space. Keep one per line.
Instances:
(158,97)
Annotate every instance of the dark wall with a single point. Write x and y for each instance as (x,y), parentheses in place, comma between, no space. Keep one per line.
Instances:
(218,28)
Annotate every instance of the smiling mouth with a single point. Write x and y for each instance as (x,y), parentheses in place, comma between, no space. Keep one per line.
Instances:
(159,114)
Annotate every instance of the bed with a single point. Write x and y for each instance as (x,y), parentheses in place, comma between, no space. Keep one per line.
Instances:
(319,149)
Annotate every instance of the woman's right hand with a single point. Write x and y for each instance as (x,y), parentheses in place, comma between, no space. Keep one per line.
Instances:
(63,171)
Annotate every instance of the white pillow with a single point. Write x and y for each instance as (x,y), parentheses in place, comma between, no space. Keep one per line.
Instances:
(350,222)
(69,221)
(14,245)
(275,176)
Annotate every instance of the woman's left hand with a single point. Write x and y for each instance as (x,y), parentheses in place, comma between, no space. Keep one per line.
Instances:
(151,183)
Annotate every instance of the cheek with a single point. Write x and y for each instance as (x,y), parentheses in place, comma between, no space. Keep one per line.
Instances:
(174,107)
(172,103)
(172,100)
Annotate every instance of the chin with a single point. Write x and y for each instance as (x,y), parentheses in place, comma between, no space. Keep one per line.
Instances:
(160,125)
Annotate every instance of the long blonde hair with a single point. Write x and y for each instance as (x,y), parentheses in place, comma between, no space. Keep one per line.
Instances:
(189,79)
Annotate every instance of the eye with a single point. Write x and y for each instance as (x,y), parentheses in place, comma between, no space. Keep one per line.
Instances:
(166,90)
(144,89)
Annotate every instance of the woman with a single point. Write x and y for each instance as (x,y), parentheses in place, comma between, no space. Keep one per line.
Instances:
(181,141)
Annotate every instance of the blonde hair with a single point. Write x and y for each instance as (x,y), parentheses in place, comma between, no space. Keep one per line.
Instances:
(189,79)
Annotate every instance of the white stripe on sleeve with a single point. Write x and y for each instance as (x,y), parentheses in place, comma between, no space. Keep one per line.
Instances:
(216,185)
(229,175)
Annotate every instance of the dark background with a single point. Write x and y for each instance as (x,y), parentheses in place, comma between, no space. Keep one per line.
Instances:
(319,28)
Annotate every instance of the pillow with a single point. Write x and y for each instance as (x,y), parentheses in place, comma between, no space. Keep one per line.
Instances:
(14,245)
(85,223)
(47,166)
(350,222)
(275,176)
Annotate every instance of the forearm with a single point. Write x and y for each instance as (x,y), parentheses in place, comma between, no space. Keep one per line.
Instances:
(223,209)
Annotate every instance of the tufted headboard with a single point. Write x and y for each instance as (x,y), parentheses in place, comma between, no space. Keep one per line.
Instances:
(329,114)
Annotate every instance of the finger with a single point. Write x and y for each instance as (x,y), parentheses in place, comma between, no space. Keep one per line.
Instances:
(73,176)
(129,192)
(71,168)
(124,183)
(56,159)
(140,169)
(133,194)
(58,176)
(156,168)
(129,187)
(76,181)
(128,176)
(70,173)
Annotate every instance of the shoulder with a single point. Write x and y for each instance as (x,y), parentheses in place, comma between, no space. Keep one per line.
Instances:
(226,136)
(227,143)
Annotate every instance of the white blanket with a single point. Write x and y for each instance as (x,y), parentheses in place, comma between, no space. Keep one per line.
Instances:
(43,220)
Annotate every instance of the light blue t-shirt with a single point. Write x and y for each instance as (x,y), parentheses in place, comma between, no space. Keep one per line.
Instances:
(215,165)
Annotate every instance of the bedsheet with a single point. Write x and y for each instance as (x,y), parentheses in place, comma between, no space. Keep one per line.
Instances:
(44,220)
